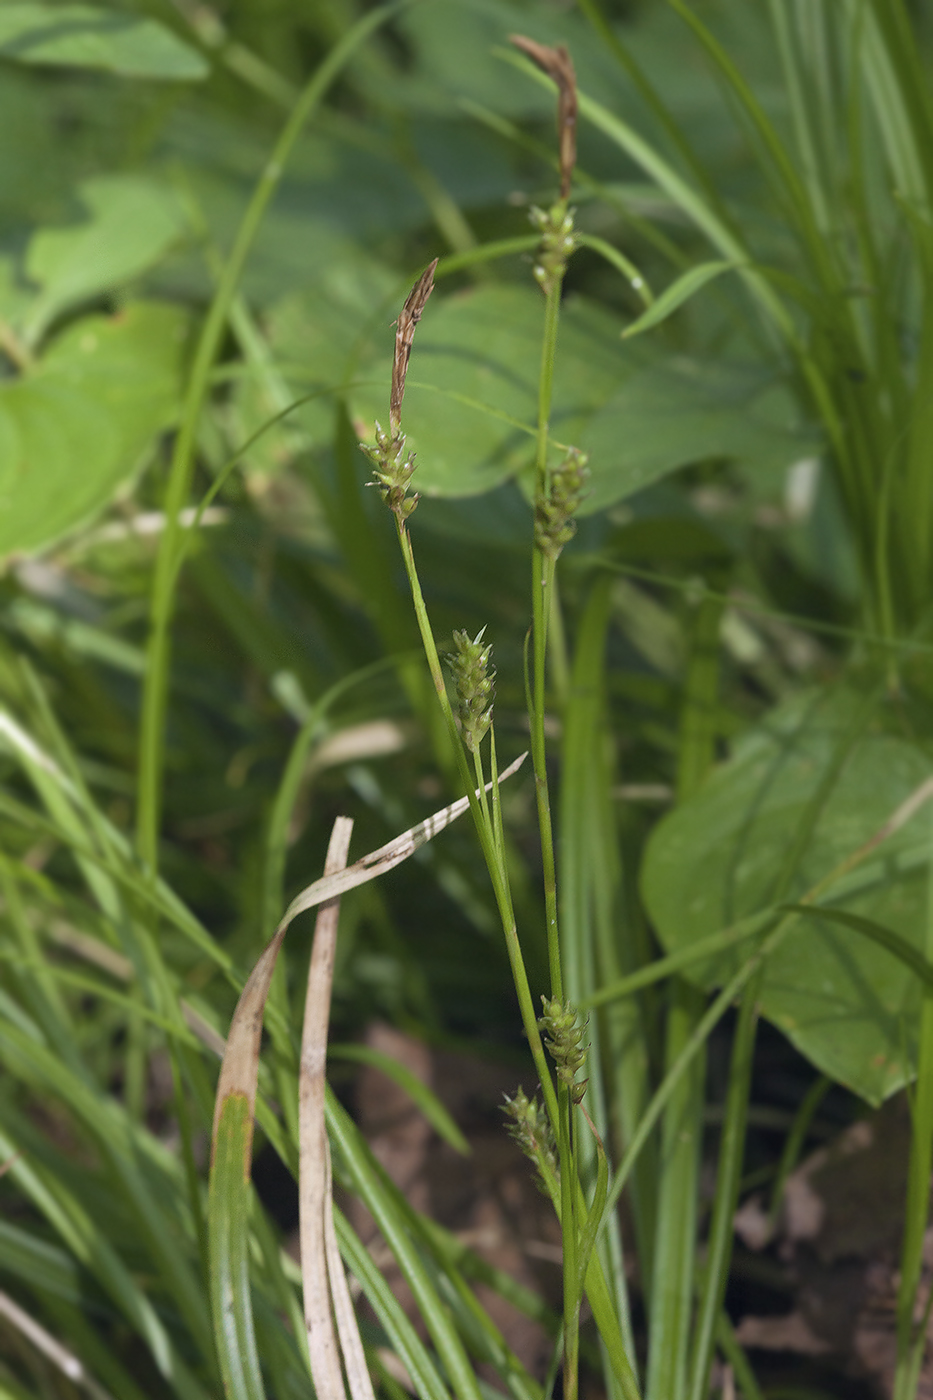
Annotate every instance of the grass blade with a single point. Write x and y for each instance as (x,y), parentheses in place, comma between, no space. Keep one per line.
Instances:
(676,294)
(425,1100)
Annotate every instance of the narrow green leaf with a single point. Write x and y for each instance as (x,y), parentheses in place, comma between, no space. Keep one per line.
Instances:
(426,1101)
(676,294)
(228,1215)
(368,1185)
(587,1239)
(404,1340)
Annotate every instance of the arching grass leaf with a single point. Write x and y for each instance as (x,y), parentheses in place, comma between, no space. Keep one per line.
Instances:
(675,295)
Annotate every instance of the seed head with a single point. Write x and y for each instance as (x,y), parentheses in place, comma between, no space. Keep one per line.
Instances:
(564,1039)
(392,471)
(474,678)
(531,1129)
(554,522)
(557,243)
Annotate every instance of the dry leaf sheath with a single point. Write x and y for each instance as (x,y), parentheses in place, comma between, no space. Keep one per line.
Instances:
(326,1296)
(557,63)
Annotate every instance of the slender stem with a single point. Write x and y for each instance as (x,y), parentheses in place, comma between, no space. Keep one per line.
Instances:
(483,799)
(173,541)
(569,1235)
(557,649)
(621,263)
(544,578)
(731,1156)
(485,832)
(790,1154)
(910,1343)
(542,582)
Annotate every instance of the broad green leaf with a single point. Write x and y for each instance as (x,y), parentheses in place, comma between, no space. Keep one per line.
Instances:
(76,428)
(848,1003)
(133,223)
(897,946)
(676,294)
(682,410)
(86,36)
(471,401)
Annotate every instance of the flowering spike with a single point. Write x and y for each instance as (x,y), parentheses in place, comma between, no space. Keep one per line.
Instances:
(392,471)
(564,1040)
(392,467)
(532,1131)
(557,243)
(474,678)
(554,512)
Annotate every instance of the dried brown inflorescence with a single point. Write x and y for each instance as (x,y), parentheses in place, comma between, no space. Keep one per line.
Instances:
(392,466)
(557,63)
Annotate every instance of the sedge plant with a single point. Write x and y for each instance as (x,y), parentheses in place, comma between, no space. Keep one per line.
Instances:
(548,1133)
(620,1095)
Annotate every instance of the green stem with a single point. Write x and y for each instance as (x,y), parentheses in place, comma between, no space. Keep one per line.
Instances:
(542,583)
(174,538)
(484,830)
(795,1141)
(910,1344)
(731,1155)
(569,1235)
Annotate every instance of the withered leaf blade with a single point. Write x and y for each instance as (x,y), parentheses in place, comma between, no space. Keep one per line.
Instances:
(324,1283)
(404,336)
(558,65)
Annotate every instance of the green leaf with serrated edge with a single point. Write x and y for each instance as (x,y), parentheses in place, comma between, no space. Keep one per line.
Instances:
(75,429)
(86,36)
(676,294)
(846,1003)
(228,1227)
(133,222)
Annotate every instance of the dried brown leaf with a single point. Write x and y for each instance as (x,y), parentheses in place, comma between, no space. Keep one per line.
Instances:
(314,1184)
(387,857)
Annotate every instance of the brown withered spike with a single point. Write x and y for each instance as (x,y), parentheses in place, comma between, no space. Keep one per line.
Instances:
(557,63)
(408,319)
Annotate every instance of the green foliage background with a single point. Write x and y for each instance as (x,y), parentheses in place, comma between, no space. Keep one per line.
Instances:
(748,590)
